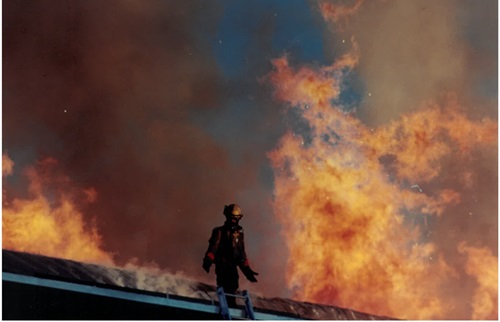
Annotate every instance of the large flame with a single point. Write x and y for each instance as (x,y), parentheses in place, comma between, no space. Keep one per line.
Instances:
(49,225)
(344,194)
(49,222)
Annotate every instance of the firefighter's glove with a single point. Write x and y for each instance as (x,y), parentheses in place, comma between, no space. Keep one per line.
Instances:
(249,274)
(207,262)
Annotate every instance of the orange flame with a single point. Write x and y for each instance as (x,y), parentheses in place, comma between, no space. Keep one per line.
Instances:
(336,12)
(484,267)
(50,223)
(7,165)
(343,191)
(52,227)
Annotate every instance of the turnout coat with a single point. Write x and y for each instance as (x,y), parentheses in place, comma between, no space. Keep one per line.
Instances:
(226,248)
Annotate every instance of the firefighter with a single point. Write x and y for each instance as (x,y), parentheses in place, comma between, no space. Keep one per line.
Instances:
(226,248)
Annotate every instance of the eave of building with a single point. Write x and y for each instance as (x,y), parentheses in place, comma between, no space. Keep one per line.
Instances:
(158,299)
(37,286)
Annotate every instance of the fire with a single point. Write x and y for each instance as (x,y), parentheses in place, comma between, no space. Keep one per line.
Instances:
(336,12)
(50,223)
(484,267)
(7,165)
(343,195)
(51,226)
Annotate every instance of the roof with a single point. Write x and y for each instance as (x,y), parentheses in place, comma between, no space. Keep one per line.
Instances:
(151,286)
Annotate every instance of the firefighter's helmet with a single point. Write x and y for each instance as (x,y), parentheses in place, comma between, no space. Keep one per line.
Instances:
(233,211)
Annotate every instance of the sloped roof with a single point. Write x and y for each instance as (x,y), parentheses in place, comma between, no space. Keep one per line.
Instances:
(158,283)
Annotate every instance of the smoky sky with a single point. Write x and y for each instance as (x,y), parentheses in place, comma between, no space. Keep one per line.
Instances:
(161,108)
(164,109)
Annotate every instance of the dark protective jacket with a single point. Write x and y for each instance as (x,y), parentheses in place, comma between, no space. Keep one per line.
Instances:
(226,248)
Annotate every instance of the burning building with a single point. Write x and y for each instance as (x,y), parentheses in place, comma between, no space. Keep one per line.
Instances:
(359,137)
(38,287)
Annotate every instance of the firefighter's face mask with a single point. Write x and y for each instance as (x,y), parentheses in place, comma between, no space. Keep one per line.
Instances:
(234,218)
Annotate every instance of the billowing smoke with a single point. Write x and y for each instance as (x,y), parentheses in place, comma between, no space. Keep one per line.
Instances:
(415,50)
(110,93)
(123,129)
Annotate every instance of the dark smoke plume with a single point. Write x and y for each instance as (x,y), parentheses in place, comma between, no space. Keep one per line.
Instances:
(112,90)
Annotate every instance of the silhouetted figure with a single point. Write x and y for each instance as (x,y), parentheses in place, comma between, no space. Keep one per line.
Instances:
(226,248)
